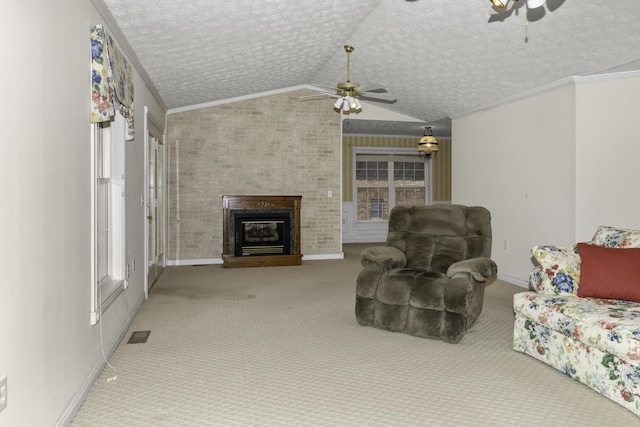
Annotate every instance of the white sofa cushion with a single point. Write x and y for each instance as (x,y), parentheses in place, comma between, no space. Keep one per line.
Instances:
(610,325)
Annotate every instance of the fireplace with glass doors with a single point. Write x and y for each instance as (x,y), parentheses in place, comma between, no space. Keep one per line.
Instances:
(260,231)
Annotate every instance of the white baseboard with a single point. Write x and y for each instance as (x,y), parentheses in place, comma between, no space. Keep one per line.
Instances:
(514,281)
(203,261)
(208,261)
(69,414)
(322,256)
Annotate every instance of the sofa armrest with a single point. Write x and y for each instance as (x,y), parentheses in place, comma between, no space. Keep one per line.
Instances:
(481,269)
(385,257)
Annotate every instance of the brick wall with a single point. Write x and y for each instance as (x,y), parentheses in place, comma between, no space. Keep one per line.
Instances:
(274,145)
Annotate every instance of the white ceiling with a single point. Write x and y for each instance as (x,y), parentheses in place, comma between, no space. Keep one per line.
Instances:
(440,58)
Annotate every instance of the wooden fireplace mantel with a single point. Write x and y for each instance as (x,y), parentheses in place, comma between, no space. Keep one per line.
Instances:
(239,203)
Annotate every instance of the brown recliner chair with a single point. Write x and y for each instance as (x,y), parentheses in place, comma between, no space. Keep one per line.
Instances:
(429,280)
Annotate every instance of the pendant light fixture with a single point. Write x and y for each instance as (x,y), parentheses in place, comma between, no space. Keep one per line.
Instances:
(428,144)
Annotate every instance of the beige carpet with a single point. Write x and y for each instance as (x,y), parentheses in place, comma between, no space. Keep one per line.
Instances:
(280,346)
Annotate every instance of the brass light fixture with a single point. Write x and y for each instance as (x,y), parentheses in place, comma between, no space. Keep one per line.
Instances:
(428,144)
(499,3)
(531,4)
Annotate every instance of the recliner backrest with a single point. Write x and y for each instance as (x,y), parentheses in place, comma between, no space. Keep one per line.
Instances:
(435,236)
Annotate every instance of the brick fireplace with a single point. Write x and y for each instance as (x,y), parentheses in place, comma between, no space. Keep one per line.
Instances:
(261,231)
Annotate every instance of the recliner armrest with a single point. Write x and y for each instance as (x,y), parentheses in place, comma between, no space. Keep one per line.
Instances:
(481,269)
(386,257)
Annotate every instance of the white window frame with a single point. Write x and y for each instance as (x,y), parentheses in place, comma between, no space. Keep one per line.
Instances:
(109,272)
(395,154)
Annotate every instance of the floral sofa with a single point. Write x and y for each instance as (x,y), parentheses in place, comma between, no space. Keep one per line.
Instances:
(582,315)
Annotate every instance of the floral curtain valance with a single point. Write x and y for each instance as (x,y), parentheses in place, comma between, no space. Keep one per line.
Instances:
(111,80)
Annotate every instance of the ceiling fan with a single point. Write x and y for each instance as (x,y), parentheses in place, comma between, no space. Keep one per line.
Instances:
(349,93)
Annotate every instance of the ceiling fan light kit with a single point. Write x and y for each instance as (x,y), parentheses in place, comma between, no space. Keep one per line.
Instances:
(347,104)
(532,4)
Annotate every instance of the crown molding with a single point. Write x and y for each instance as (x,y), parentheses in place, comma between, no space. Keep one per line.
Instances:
(241,98)
(595,78)
(114,29)
(519,96)
(378,135)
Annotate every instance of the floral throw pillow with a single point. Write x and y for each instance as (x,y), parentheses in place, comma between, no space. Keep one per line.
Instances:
(611,237)
(559,269)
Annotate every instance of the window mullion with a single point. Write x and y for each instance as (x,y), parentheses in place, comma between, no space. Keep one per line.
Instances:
(391,186)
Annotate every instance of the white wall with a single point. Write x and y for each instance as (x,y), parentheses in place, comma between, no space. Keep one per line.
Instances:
(518,160)
(48,350)
(551,167)
(607,153)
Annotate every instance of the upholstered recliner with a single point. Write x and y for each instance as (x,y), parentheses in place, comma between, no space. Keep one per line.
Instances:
(429,280)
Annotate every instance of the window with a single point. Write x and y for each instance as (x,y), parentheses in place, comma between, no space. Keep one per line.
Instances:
(109,260)
(384,179)
(409,183)
(372,188)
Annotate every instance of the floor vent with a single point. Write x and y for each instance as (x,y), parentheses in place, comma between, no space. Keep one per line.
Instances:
(139,337)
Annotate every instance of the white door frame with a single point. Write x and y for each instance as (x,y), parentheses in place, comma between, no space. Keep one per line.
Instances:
(149,123)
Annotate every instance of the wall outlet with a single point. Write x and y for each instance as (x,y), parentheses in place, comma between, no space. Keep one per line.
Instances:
(3,393)
(505,244)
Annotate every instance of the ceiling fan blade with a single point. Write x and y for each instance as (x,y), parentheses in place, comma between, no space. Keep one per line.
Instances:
(373,87)
(379,97)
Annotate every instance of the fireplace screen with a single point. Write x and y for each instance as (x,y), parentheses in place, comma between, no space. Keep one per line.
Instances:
(259,237)
(262,234)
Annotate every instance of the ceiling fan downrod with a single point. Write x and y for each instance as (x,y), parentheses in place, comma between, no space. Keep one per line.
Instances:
(349,88)
(348,49)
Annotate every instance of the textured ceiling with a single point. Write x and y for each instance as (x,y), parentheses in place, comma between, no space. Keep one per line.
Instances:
(439,59)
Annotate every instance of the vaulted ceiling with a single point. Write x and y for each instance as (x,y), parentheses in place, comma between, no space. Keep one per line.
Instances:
(440,59)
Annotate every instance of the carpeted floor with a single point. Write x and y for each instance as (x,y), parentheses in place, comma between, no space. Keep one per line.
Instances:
(280,346)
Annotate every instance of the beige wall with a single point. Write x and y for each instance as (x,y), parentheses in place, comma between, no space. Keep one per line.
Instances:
(271,145)
(607,153)
(518,160)
(441,162)
(551,167)
(48,350)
